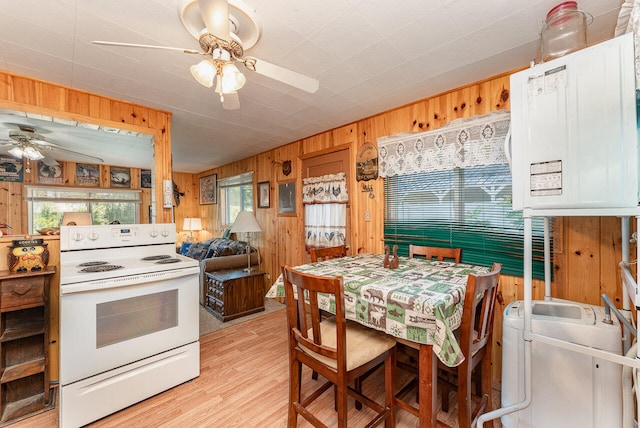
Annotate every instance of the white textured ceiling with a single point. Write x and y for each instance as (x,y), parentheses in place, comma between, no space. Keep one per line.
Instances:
(369,56)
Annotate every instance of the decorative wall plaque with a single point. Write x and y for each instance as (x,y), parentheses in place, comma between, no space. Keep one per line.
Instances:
(367,162)
(286,167)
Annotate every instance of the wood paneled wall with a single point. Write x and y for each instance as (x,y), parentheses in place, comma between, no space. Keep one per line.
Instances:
(586,249)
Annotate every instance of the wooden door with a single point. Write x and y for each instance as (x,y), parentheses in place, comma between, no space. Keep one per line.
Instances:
(323,164)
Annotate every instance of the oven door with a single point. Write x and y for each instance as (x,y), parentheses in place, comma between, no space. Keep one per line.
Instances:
(102,328)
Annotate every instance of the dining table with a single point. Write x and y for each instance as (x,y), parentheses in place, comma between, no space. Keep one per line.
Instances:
(420,303)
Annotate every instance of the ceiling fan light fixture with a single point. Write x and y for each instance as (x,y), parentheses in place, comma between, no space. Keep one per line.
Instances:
(32,153)
(231,79)
(16,151)
(204,72)
(27,152)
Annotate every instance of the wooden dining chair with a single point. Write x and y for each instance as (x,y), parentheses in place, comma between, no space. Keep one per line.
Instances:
(438,253)
(475,340)
(338,349)
(320,254)
(324,253)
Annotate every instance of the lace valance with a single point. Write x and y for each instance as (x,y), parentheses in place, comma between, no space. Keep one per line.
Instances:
(331,188)
(478,140)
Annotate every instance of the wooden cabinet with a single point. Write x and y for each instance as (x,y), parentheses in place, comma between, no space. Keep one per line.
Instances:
(24,343)
(234,293)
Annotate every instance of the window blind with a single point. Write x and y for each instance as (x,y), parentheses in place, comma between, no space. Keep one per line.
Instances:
(462,208)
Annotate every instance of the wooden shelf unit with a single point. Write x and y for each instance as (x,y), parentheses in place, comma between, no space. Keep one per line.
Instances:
(24,344)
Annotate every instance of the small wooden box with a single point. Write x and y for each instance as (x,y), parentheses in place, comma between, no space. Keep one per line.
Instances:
(234,293)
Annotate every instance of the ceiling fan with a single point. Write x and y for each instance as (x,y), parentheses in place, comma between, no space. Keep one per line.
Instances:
(222,46)
(30,145)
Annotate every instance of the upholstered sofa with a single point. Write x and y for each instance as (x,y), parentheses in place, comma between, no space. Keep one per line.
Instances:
(218,254)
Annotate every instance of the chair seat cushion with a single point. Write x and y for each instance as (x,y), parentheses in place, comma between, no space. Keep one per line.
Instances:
(363,344)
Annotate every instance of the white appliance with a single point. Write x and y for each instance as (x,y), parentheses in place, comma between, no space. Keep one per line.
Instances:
(129,325)
(569,389)
(574,138)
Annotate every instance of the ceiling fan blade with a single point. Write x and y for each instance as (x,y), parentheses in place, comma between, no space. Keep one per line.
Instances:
(133,45)
(283,75)
(44,149)
(215,14)
(42,142)
(231,101)
(48,159)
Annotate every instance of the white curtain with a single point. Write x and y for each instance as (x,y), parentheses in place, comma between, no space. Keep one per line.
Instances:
(325,201)
(463,143)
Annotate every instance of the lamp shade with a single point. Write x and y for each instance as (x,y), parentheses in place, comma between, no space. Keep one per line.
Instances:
(26,152)
(232,79)
(204,72)
(245,222)
(192,224)
(76,219)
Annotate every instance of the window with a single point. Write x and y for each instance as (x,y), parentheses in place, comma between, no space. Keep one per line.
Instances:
(47,205)
(451,187)
(466,208)
(236,195)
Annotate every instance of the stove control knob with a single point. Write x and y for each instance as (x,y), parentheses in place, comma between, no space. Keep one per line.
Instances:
(77,236)
(153,233)
(93,236)
(165,233)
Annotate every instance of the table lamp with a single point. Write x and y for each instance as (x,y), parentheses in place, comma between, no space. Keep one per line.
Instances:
(192,224)
(246,222)
(76,219)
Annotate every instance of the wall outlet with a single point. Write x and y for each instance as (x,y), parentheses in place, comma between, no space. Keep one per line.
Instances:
(367,215)
(268,276)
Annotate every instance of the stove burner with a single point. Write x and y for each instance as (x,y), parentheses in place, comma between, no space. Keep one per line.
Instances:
(101,268)
(166,261)
(92,264)
(159,257)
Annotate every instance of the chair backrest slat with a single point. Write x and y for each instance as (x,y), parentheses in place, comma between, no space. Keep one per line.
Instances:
(437,253)
(325,253)
(478,311)
(304,316)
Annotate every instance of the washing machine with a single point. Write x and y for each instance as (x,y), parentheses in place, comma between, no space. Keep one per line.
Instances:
(569,389)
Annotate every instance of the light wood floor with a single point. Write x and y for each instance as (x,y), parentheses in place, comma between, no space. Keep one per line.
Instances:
(243,383)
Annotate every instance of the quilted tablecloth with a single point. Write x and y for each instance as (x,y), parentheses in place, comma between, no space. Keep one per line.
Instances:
(420,301)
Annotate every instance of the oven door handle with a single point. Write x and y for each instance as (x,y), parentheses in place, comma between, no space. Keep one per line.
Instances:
(127,281)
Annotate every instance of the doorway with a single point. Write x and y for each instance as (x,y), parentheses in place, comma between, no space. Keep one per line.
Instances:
(323,164)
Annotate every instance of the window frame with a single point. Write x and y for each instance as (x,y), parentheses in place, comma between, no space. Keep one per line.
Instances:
(86,197)
(239,181)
